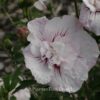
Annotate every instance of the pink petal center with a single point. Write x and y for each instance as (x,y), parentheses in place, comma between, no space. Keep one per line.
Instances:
(57,68)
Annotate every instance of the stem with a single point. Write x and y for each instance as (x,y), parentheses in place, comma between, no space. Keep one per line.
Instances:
(76,8)
(26,12)
(8,15)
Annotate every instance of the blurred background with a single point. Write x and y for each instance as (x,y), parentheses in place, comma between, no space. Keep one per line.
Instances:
(14,15)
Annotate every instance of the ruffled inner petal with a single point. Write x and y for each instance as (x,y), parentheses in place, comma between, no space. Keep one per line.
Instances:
(39,69)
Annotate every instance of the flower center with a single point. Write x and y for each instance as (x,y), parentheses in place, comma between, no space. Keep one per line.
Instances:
(49,54)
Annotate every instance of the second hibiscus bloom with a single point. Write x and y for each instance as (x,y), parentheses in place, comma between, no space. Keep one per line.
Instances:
(90,15)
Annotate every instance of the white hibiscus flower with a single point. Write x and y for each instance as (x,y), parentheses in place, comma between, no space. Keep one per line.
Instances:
(41,5)
(60,52)
(93,5)
(90,20)
(23,94)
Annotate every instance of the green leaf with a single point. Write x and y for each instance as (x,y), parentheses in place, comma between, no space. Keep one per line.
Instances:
(15,79)
(24,84)
(33,98)
(13,98)
(11,80)
(50,95)
(7,81)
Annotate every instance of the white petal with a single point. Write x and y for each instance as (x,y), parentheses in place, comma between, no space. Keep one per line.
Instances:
(52,28)
(93,5)
(88,49)
(97,4)
(85,17)
(39,69)
(65,82)
(44,1)
(35,48)
(90,20)
(89,4)
(96,23)
(59,27)
(23,94)
(36,27)
(40,6)
(65,51)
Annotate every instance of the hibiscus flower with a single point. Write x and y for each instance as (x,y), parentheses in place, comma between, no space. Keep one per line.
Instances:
(60,53)
(90,20)
(93,5)
(41,5)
